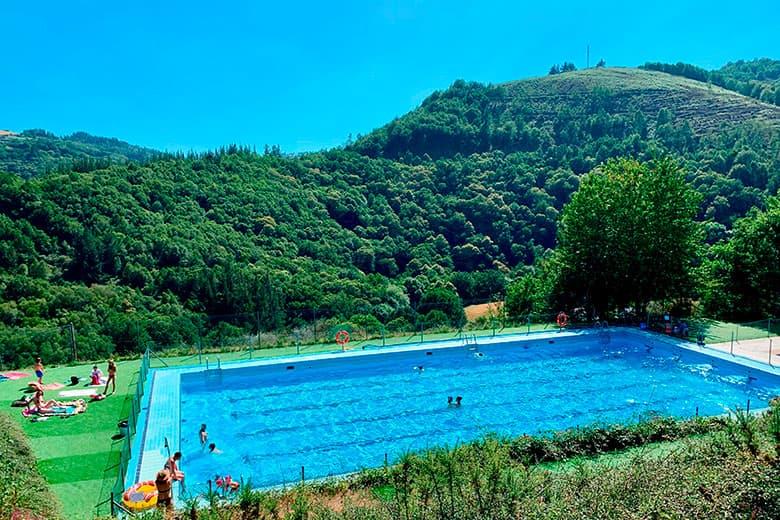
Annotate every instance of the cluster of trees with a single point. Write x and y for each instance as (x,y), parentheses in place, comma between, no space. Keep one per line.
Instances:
(629,237)
(443,207)
(32,152)
(563,67)
(758,79)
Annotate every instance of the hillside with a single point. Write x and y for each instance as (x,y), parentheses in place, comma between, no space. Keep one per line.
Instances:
(598,102)
(463,192)
(705,107)
(759,79)
(33,152)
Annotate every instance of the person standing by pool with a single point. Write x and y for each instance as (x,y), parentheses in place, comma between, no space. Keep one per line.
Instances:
(164,484)
(111,377)
(39,370)
(204,436)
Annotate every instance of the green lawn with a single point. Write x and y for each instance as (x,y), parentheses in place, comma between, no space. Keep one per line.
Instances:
(721,331)
(77,455)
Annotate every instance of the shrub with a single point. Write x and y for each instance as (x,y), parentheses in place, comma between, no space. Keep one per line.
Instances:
(23,491)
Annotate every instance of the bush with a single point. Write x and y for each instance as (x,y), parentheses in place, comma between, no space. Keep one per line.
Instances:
(23,491)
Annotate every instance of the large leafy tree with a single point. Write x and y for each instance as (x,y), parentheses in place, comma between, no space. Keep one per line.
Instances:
(742,276)
(628,237)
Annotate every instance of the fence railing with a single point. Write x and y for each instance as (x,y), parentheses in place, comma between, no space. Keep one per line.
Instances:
(114,500)
(289,342)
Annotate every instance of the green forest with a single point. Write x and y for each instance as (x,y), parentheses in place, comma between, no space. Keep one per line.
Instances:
(463,200)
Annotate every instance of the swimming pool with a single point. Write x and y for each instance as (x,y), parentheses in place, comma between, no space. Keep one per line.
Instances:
(334,414)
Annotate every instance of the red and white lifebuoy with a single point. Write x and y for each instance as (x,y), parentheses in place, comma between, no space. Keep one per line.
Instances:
(342,337)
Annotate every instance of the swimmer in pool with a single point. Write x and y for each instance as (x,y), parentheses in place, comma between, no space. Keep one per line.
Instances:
(213,449)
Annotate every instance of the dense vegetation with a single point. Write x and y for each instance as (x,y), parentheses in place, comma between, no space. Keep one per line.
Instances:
(23,491)
(34,152)
(731,470)
(446,205)
(758,79)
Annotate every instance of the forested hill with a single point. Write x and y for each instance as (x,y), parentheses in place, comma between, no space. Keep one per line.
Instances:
(567,108)
(463,192)
(33,152)
(759,79)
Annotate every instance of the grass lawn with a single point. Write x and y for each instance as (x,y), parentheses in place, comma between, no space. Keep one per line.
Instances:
(77,455)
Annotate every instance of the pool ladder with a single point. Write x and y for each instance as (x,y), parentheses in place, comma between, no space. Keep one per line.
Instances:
(469,339)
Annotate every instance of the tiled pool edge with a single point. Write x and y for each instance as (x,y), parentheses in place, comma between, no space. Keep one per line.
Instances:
(160,420)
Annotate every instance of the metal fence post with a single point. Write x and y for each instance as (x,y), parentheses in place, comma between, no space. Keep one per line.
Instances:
(732,343)
(770,351)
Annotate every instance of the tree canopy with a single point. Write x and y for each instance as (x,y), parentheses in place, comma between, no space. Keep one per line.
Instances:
(627,237)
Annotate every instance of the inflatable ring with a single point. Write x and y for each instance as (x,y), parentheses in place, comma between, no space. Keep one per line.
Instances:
(342,337)
(140,496)
(562,319)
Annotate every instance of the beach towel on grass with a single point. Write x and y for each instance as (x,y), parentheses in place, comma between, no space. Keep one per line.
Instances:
(77,393)
(14,375)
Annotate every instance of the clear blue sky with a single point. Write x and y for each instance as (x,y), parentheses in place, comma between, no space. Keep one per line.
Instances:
(199,74)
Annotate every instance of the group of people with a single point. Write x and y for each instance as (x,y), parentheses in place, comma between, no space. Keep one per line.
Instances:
(39,405)
(203,436)
(171,472)
(164,481)
(96,377)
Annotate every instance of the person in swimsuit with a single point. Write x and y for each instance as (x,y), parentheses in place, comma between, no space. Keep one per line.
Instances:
(203,435)
(40,404)
(39,370)
(164,484)
(172,465)
(111,377)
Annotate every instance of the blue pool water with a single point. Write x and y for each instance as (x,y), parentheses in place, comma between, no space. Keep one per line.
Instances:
(339,415)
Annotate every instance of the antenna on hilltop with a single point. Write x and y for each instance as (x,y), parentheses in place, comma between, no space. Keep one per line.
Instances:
(587,57)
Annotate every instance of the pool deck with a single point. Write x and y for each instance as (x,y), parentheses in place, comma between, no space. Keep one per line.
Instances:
(756,349)
(159,423)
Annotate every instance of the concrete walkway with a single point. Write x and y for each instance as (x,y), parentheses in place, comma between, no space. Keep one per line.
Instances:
(756,349)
